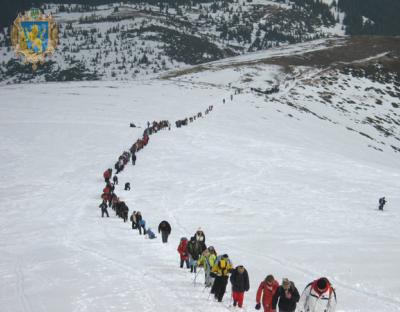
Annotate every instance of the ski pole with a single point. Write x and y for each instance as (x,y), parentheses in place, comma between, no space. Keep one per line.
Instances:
(195,277)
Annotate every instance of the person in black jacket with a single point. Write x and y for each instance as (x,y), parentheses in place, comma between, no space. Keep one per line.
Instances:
(103,207)
(240,283)
(195,249)
(382,202)
(133,158)
(287,295)
(165,230)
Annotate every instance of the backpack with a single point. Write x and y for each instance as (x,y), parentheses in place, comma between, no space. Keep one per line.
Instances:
(183,243)
(223,262)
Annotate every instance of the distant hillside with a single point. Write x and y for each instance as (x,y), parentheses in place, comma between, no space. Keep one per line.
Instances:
(131,40)
(353,83)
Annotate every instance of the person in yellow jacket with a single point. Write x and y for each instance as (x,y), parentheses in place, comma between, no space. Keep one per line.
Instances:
(220,270)
(207,261)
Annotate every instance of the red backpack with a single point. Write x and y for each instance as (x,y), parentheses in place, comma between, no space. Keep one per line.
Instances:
(182,248)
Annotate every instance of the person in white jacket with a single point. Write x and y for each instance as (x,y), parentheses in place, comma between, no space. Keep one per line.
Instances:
(318,296)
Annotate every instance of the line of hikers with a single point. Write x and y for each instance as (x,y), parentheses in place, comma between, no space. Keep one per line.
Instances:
(108,195)
(318,296)
(184,122)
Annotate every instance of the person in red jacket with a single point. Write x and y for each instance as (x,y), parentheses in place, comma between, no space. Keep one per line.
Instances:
(183,252)
(267,290)
(145,139)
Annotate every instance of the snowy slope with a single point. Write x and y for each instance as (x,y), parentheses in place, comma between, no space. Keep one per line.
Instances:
(292,196)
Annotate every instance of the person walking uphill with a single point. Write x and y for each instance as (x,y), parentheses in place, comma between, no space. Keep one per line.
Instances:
(165,229)
(199,235)
(287,295)
(103,207)
(195,249)
(266,292)
(221,269)
(318,296)
(133,159)
(183,252)
(240,283)
(382,202)
(141,224)
(107,175)
(207,261)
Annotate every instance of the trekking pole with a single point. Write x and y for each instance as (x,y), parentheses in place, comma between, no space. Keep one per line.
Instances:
(195,277)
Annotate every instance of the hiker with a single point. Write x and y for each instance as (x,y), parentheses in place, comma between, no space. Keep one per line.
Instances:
(207,261)
(150,234)
(195,249)
(199,235)
(318,296)
(141,224)
(287,295)
(145,139)
(266,292)
(115,180)
(103,207)
(114,202)
(127,186)
(125,212)
(183,253)
(240,283)
(382,202)
(119,166)
(211,249)
(220,271)
(165,228)
(133,159)
(107,175)
(133,220)
(121,209)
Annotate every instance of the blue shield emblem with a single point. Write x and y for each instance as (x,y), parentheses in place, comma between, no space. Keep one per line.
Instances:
(35,34)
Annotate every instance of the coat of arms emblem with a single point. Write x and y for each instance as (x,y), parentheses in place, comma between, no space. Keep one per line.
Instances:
(34,36)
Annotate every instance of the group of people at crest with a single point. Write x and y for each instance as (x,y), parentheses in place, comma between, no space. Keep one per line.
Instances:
(318,296)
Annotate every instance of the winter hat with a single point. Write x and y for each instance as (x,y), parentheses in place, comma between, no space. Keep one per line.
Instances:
(322,283)
(199,229)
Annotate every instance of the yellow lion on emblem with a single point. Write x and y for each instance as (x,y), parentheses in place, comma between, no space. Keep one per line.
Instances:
(33,38)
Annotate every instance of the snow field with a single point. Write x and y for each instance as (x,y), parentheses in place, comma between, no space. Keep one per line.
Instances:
(294,197)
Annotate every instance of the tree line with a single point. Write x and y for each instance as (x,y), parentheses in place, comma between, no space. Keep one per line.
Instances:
(361,16)
(371,16)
